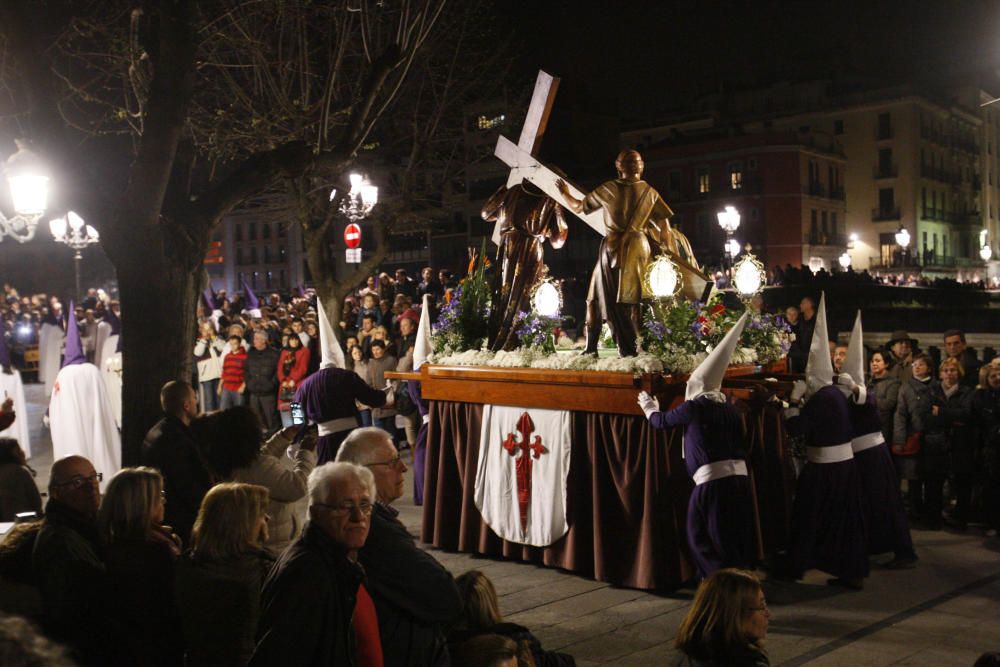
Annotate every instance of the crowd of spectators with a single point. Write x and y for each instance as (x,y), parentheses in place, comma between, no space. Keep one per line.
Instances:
(803,275)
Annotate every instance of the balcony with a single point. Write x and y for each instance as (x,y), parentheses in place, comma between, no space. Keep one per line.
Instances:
(883,133)
(823,239)
(885,171)
(930,134)
(882,214)
(814,190)
(939,174)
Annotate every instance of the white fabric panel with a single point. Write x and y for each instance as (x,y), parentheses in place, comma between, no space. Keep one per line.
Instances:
(82,422)
(112,380)
(496,492)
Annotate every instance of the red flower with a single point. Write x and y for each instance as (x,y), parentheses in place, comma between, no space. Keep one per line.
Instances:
(718,308)
(702,318)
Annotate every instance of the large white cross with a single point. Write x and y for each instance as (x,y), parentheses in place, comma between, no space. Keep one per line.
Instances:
(520,157)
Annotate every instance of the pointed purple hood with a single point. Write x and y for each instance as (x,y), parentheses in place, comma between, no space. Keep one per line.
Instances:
(74,350)
(208,298)
(253,303)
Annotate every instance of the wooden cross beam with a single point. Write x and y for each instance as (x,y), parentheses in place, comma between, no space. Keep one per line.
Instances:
(520,157)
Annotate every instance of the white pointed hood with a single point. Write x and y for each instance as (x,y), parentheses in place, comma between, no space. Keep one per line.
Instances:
(707,378)
(819,368)
(331,355)
(422,348)
(854,364)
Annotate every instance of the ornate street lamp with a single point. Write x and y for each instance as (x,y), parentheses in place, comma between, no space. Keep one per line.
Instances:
(985,251)
(75,233)
(729,221)
(903,241)
(361,199)
(844,260)
(29,191)
(815,264)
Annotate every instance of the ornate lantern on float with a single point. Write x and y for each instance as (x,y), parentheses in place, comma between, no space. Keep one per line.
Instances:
(662,279)
(749,276)
(546,297)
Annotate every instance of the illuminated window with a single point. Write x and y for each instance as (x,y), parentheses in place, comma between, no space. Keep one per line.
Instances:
(736,175)
(490,122)
(704,182)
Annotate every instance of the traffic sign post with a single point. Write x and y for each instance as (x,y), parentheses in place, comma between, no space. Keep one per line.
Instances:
(354,255)
(352,235)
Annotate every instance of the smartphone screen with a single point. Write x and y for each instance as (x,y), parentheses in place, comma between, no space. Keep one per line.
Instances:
(298,414)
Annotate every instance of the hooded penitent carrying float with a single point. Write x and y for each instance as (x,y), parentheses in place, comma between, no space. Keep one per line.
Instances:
(828,526)
(885,516)
(80,414)
(720,522)
(328,396)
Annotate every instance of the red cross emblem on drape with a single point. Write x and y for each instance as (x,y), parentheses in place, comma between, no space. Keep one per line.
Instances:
(523,466)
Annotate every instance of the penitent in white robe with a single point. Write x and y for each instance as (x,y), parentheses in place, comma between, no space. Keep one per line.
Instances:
(100,341)
(81,420)
(12,387)
(113,379)
(50,342)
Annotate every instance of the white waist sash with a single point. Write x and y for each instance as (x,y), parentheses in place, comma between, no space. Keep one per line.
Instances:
(427,419)
(718,470)
(834,454)
(867,441)
(336,425)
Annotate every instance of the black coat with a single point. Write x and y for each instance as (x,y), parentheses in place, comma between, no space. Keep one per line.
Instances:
(414,595)
(219,604)
(262,371)
(171,448)
(521,635)
(307,605)
(947,446)
(986,430)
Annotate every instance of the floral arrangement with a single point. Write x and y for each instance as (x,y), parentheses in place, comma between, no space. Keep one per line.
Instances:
(462,323)
(676,336)
(536,331)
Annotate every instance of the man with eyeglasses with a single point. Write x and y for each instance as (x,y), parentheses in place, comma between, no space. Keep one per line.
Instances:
(315,608)
(67,560)
(415,596)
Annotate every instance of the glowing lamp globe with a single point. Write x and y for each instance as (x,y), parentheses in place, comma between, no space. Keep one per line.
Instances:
(58,227)
(844,260)
(986,252)
(749,276)
(816,264)
(546,299)
(903,237)
(662,279)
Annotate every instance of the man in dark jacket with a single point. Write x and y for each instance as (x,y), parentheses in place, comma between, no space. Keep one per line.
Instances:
(955,347)
(415,601)
(308,605)
(262,381)
(67,562)
(170,448)
(803,330)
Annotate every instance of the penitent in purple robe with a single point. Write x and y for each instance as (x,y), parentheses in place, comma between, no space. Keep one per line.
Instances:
(420,448)
(720,512)
(328,397)
(885,516)
(828,524)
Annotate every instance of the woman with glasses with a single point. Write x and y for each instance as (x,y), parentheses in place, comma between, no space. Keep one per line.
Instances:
(140,554)
(726,623)
(219,580)
(232,442)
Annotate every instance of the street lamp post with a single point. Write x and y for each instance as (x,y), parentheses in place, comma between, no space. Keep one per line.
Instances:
(729,221)
(361,199)
(29,191)
(903,241)
(73,232)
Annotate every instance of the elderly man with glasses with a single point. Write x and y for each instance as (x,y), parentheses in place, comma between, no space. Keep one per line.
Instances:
(315,608)
(67,560)
(415,596)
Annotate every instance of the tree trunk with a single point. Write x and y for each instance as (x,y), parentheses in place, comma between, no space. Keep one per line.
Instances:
(158,299)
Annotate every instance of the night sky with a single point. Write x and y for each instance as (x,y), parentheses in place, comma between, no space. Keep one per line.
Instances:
(622,62)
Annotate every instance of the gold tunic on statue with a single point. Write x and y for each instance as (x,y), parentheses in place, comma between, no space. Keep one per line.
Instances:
(630,207)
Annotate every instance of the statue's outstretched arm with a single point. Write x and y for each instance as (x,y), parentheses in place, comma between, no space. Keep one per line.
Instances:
(571,202)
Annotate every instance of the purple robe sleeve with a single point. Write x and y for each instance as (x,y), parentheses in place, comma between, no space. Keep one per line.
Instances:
(682,415)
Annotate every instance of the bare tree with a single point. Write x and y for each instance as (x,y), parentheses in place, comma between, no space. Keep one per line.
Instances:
(194,106)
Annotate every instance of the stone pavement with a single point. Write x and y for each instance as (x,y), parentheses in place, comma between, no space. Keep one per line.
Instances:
(945,612)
